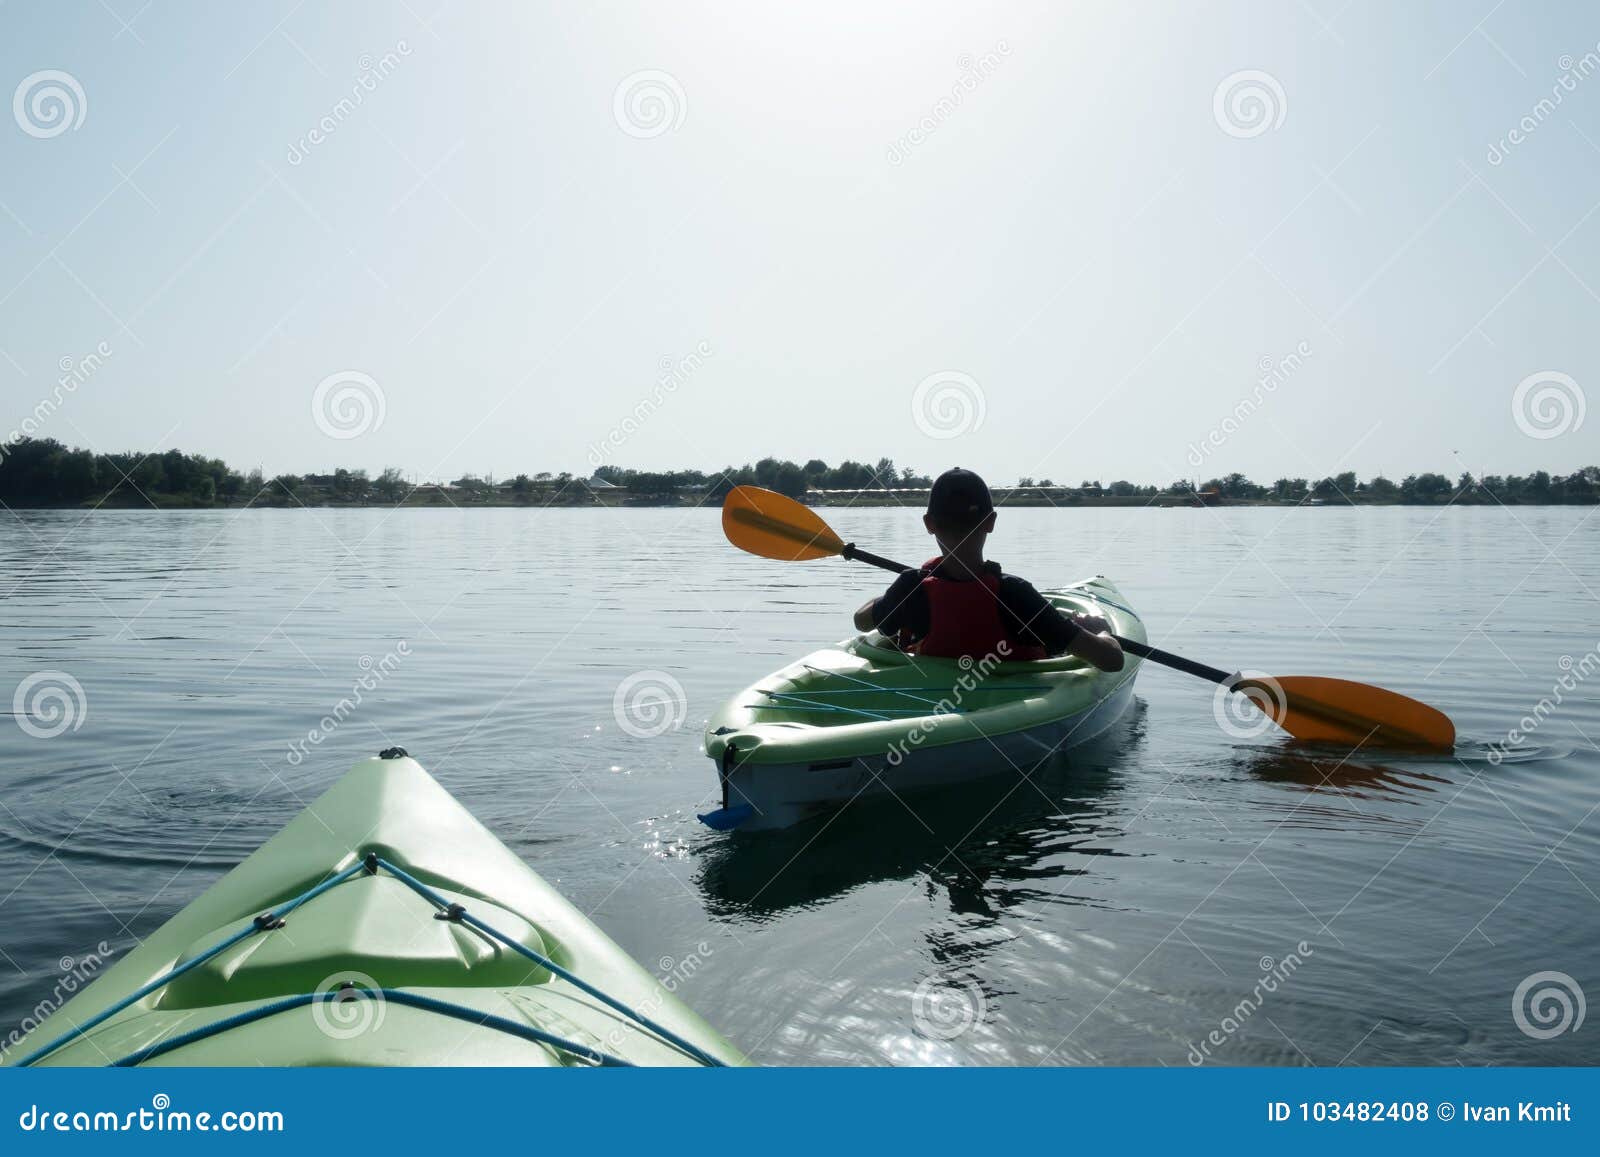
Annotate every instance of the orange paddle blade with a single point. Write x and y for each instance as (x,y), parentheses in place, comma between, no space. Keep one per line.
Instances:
(772,526)
(1324,710)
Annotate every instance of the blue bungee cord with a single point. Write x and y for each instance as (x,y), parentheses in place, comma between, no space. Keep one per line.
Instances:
(458,912)
(387,995)
(265,922)
(370,863)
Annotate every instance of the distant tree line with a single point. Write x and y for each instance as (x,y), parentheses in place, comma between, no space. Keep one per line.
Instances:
(772,473)
(43,471)
(1422,489)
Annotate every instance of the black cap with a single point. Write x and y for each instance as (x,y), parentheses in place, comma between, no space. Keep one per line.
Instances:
(959,496)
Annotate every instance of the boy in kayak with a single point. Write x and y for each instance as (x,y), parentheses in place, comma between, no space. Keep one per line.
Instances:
(957,605)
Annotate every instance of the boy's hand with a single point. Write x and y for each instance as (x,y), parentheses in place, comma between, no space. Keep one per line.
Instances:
(1094,624)
(1096,644)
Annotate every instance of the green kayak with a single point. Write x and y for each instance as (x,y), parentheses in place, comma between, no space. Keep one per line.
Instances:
(864,718)
(383,926)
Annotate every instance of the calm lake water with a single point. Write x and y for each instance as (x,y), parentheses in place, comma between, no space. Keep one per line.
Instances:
(1115,910)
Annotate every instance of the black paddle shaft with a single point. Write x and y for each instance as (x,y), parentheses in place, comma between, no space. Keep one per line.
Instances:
(1176,662)
(852,551)
(1154,654)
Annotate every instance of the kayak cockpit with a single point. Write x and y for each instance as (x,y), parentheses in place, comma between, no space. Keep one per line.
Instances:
(819,693)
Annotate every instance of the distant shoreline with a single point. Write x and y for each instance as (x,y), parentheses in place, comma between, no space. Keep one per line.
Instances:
(876,499)
(44,474)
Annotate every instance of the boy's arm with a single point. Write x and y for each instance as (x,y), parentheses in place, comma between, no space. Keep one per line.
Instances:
(897,609)
(1086,636)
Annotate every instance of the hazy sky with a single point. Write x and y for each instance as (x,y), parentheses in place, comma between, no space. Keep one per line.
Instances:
(1057,239)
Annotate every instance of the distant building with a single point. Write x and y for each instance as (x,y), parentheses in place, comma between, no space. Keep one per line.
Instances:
(597,483)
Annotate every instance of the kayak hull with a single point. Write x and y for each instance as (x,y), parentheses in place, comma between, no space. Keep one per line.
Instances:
(862,719)
(371,933)
(781,795)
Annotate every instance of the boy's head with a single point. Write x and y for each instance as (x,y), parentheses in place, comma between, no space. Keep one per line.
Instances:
(960,512)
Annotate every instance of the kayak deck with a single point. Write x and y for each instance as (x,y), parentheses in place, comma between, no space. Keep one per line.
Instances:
(827,698)
(383,926)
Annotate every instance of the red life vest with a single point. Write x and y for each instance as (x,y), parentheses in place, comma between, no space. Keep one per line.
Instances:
(965,619)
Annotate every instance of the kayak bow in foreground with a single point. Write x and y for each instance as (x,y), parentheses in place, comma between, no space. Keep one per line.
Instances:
(383,926)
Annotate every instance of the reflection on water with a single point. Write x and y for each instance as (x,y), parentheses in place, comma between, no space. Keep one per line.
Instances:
(1114,909)
(987,846)
(1353,777)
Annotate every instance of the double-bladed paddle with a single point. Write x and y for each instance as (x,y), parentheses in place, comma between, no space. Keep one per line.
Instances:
(1309,707)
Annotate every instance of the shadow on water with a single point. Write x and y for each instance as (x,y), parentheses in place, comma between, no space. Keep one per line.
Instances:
(963,839)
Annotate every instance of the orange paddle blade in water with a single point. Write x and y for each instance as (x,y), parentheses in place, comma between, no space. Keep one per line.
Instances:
(773,526)
(1324,710)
